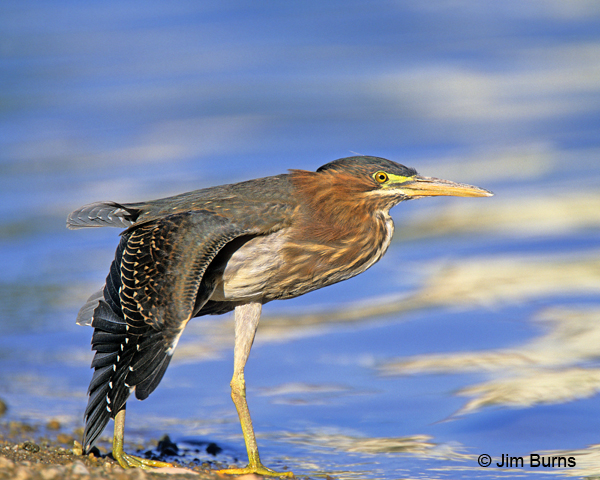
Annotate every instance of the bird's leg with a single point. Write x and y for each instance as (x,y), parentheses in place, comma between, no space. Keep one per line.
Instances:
(124,459)
(246,322)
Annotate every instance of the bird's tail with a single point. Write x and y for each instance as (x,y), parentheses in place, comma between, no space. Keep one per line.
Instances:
(103,214)
(107,391)
(123,363)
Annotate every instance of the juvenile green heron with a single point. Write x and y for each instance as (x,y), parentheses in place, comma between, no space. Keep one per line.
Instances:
(231,247)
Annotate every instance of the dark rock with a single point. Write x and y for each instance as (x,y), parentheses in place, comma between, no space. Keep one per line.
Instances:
(167,447)
(213,449)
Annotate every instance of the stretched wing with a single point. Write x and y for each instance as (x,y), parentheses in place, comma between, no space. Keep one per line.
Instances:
(164,263)
(156,283)
(162,269)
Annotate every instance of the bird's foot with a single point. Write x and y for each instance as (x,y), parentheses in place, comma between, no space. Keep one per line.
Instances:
(259,469)
(131,461)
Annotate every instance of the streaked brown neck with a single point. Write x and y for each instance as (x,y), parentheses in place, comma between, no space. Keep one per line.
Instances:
(332,204)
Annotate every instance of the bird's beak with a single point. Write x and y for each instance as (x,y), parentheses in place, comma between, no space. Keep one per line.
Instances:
(418,186)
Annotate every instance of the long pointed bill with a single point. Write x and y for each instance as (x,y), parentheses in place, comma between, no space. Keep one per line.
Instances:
(418,187)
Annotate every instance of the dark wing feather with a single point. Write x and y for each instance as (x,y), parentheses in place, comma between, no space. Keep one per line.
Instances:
(163,265)
(163,283)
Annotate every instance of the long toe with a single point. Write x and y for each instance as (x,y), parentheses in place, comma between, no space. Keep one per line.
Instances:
(257,470)
(131,461)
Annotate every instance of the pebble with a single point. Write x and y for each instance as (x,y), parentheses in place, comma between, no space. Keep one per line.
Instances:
(53,425)
(140,474)
(51,473)
(21,474)
(77,448)
(79,468)
(64,438)
(6,462)
(30,447)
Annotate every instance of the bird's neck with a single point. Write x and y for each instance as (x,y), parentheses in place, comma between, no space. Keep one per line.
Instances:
(341,235)
(330,206)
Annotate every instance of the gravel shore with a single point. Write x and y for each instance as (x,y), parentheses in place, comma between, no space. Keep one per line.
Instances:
(30,452)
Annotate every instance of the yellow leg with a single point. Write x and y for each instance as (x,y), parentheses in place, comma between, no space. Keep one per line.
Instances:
(246,321)
(124,459)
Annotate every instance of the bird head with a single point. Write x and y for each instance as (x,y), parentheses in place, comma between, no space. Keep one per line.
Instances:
(381,183)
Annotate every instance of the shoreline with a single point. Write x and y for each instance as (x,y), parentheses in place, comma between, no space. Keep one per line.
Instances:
(32,452)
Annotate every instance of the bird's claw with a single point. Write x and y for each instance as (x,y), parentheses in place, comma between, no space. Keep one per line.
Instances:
(131,461)
(259,469)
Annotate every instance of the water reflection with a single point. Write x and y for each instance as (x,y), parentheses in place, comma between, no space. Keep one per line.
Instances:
(551,368)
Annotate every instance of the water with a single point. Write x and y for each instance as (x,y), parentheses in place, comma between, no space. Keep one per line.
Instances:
(478,331)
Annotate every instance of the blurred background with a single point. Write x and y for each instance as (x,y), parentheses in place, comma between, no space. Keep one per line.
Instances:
(477,333)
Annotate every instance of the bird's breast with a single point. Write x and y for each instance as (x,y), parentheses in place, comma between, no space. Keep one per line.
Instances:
(248,274)
(312,264)
(282,265)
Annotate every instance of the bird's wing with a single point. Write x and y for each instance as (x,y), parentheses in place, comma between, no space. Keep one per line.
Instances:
(163,265)
(163,282)
(150,294)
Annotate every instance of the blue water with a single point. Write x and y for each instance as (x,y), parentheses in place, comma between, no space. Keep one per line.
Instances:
(123,101)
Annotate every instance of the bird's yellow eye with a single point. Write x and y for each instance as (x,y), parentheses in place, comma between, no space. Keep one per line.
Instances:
(381,177)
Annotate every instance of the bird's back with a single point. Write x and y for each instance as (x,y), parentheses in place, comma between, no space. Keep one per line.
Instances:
(245,202)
